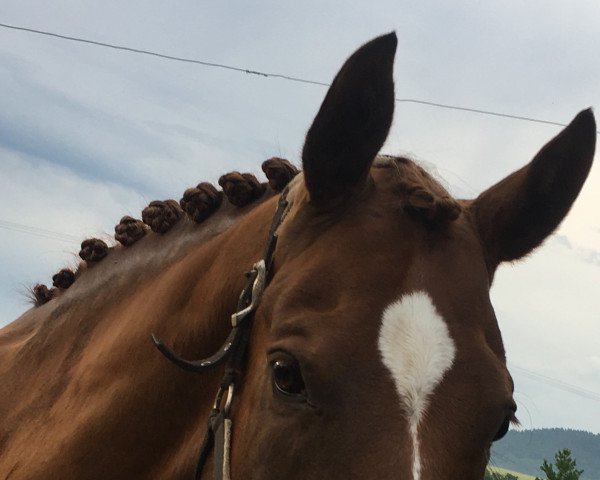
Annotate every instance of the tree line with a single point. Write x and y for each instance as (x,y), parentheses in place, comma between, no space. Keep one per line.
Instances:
(563,468)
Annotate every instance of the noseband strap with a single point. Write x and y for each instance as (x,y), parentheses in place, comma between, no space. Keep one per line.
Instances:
(218,433)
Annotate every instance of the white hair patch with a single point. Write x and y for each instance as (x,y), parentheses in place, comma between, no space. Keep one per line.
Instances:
(417,349)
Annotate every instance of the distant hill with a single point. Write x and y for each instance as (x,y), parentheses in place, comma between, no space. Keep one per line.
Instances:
(525,450)
(504,471)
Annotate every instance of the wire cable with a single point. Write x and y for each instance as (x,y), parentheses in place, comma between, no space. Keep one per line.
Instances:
(36,231)
(483,112)
(554,382)
(271,75)
(164,56)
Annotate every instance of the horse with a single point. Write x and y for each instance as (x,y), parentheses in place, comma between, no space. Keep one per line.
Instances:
(348,304)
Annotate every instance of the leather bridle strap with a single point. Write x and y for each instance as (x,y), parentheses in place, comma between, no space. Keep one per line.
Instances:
(218,433)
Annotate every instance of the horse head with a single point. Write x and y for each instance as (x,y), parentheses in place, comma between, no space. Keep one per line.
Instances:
(376,352)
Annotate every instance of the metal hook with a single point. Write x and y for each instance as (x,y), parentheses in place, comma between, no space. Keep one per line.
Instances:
(197,365)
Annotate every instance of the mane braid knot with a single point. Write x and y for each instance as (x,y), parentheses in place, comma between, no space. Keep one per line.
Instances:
(279,172)
(201,201)
(161,216)
(129,230)
(42,294)
(63,279)
(93,250)
(241,189)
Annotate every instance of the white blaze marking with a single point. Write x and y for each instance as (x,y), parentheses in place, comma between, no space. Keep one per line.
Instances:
(417,349)
(416,467)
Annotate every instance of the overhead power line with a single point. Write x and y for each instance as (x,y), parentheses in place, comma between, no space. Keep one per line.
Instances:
(37,232)
(483,112)
(556,383)
(270,74)
(164,56)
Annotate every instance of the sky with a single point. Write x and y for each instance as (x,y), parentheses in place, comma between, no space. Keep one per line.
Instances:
(89,134)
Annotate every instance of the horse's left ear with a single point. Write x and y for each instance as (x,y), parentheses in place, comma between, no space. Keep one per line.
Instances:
(352,123)
(518,213)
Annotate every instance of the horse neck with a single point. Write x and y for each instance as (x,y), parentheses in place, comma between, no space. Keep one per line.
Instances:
(204,285)
(183,286)
(89,354)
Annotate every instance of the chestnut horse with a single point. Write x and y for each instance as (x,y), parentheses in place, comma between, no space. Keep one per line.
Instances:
(373,353)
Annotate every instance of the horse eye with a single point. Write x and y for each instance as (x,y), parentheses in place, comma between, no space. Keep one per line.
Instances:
(503,429)
(287,378)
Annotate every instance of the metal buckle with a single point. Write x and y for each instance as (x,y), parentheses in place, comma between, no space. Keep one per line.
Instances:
(259,271)
(228,399)
(221,425)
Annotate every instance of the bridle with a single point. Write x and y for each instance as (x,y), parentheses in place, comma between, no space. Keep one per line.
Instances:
(218,433)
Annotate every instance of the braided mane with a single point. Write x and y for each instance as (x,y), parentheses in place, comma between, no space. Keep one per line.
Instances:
(421,194)
(196,206)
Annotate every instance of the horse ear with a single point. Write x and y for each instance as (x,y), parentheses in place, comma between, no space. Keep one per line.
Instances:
(352,123)
(518,213)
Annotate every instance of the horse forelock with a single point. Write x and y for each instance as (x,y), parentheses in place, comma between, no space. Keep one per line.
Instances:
(421,195)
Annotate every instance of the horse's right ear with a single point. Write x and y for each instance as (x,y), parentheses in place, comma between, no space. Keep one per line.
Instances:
(352,123)
(518,213)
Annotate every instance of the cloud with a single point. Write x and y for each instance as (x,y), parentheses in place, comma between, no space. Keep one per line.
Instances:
(44,195)
(549,319)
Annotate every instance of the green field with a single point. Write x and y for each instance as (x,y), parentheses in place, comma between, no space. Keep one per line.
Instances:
(520,476)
